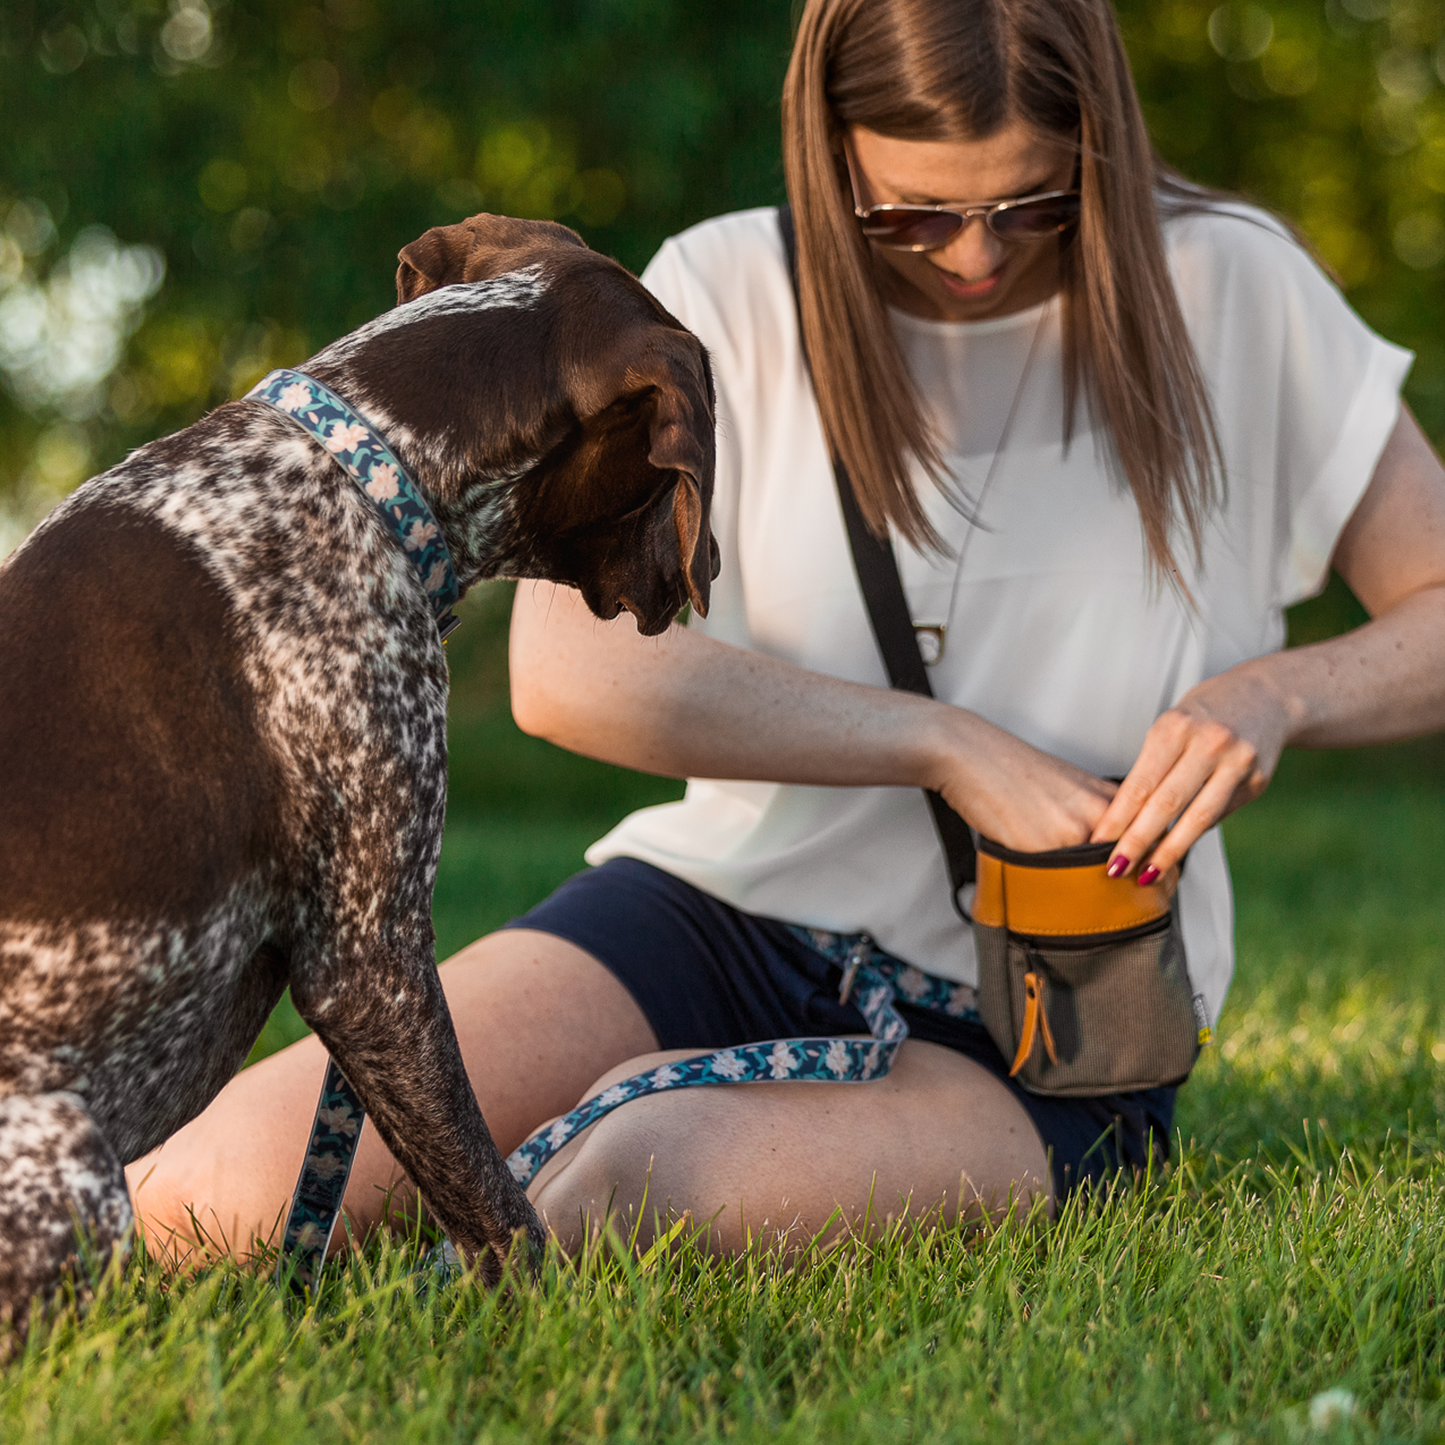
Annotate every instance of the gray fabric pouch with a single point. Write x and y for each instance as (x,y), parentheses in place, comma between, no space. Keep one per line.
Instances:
(1083,983)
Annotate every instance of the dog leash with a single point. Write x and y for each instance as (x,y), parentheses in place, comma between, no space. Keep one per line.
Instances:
(872,978)
(363,454)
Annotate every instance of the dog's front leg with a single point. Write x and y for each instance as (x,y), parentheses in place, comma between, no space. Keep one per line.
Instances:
(385,1021)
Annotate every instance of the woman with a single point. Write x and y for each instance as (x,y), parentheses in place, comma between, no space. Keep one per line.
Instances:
(1116,429)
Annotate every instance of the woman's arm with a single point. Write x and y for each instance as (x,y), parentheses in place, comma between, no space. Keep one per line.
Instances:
(686,705)
(1381,682)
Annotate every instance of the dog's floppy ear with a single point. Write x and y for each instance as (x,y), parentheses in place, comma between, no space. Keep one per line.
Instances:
(476,249)
(680,430)
(433,259)
(626,506)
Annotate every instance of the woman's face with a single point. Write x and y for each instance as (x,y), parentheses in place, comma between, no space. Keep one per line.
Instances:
(976,275)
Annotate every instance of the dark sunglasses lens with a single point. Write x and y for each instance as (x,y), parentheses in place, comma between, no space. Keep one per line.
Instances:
(903,227)
(1035,218)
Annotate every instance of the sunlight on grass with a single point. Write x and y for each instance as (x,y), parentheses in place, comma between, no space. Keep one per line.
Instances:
(1206,1301)
(1283,1281)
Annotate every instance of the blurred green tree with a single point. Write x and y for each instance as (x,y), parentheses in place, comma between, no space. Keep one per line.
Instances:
(273,157)
(276,156)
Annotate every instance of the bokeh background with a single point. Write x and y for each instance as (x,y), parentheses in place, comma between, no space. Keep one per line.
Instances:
(195,191)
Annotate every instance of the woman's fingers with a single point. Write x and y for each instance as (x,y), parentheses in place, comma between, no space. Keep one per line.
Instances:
(1022,797)
(1193,770)
(1151,844)
(1165,745)
(1038,822)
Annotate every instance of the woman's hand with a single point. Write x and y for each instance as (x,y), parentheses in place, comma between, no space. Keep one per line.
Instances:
(1212,753)
(1218,748)
(1012,792)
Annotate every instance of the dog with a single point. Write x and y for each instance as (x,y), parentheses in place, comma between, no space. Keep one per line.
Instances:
(223,709)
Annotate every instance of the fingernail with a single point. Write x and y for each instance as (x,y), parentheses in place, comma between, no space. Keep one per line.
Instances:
(1147,875)
(1118,866)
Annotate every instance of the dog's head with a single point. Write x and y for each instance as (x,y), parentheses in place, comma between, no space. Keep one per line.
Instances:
(569,417)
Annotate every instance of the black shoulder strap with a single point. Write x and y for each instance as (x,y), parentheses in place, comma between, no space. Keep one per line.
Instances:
(882,589)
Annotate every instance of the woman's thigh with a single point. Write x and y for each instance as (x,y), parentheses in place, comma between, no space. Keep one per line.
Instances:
(774,1162)
(537,1019)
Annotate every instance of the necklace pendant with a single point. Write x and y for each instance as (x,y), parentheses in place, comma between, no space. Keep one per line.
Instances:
(930,637)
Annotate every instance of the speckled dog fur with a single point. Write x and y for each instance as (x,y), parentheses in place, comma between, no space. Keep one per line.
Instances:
(223,722)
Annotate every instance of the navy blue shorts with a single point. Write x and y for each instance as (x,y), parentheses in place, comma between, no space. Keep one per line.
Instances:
(707,976)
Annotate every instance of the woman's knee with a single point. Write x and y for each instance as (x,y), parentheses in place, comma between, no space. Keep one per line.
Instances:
(165,1219)
(939,1138)
(605,1179)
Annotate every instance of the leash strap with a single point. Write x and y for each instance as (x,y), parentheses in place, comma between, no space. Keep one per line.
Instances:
(363,454)
(872,978)
(890,619)
(316,1202)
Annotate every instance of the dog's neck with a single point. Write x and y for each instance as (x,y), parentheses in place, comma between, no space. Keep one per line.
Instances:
(475,522)
(356,446)
(467,476)
(472,501)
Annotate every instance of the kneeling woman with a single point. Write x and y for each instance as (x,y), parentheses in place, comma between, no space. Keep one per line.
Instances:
(1114,426)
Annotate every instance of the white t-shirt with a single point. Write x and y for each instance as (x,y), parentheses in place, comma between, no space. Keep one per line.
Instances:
(1057,634)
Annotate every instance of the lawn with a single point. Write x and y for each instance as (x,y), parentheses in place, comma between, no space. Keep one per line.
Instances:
(1283,1280)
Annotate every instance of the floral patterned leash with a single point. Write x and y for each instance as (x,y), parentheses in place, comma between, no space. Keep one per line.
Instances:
(362,453)
(874,979)
(870,977)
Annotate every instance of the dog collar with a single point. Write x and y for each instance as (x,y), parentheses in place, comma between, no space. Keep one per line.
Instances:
(362,453)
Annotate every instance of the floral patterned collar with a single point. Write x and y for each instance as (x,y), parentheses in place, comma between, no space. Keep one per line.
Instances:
(362,453)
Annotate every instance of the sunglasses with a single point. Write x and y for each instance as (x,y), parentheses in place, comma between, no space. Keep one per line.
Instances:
(926,228)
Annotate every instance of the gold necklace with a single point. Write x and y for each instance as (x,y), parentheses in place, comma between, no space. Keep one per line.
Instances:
(932,636)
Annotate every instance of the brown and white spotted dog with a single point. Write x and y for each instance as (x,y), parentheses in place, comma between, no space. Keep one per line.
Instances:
(223,721)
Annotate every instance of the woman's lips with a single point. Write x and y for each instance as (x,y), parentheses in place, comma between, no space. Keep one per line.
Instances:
(971,290)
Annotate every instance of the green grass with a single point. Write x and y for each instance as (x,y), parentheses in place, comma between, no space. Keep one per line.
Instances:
(1297,1246)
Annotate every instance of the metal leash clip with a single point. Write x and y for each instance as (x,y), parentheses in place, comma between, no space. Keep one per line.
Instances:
(857,955)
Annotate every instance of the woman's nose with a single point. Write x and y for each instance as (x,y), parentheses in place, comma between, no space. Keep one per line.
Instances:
(975,252)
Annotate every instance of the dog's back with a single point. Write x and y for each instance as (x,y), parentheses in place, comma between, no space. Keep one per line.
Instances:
(136,797)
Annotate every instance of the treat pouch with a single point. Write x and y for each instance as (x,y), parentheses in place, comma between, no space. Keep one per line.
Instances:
(1083,982)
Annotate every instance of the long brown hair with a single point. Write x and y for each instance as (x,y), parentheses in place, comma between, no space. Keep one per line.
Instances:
(961,69)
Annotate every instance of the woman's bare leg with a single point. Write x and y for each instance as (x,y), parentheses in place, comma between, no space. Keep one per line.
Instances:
(539,1021)
(773,1161)
(537,1018)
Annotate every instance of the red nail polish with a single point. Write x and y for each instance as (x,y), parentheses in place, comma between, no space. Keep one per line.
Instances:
(1118,866)
(1147,875)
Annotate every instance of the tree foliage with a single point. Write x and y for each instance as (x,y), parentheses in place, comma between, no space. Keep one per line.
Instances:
(272,157)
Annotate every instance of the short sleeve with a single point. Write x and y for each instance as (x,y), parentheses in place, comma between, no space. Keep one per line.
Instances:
(664,277)
(1305,395)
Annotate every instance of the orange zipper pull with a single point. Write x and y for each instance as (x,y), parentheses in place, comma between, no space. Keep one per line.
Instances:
(1036,1021)
(1031,1022)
